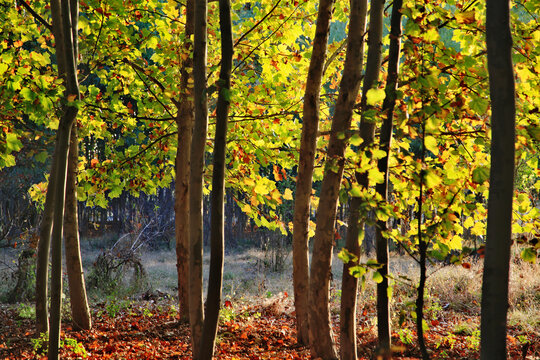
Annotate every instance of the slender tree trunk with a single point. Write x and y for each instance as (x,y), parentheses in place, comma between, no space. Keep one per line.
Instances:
(349,287)
(217,241)
(383,305)
(80,311)
(67,53)
(42,266)
(320,329)
(184,121)
(196,311)
(62,145)
(367,131)
(422,250)
(304,179)
(499,223)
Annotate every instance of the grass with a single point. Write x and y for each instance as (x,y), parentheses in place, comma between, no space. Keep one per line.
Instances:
(248,275)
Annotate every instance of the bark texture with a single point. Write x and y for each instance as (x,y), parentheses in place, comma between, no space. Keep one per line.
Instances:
(43,253)
(308,148)
(422,251)
(217,241)
(356,219)
(184,122)
(80,311)
(383,305)
(64,24)
(320,329)
(196,311)
(499,222)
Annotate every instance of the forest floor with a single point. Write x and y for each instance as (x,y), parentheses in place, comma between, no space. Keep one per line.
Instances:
(150,330)
(257,319)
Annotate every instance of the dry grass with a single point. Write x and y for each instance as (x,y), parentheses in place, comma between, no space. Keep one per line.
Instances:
(248,275)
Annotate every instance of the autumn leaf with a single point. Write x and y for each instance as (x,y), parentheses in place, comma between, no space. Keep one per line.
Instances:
(375,96)
(467,17)
(287,195)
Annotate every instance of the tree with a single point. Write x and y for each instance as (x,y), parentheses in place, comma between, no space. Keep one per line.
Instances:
(196,310)
(356,220)
(184,122)
(499,219)
(320,329)
(304,179)
(385,144)
(80,311)
(215,276)
(64,14)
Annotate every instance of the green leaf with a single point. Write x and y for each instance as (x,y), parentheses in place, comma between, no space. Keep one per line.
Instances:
(529,255)
(480,174)
(374,96)
(377,277)
(28,94)
(479,105)
(356,140)
(431,179)
(346,256)
(41,157)
(12,142)
(357,271)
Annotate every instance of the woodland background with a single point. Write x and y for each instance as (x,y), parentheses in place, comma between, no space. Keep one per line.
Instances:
(333,160)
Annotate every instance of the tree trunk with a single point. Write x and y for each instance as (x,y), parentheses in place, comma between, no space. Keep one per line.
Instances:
(308,148)
(217,241)
(422,250)
(367,131)
(196,311)
(66,25)
(499,223)
(349,287)
(320,330)
(383,305)
(184,121)
(42,265)
(80,311)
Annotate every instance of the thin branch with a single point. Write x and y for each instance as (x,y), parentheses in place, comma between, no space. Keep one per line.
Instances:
(257,24)
(36,15)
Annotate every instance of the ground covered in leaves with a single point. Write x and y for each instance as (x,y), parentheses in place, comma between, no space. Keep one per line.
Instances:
(261,330)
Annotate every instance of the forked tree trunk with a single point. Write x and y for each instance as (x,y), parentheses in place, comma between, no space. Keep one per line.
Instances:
(80,311)
(320,329)
(217,241)
(184,121)
(304,179)
(66,25)
(499,222)
(357,220)
(383,306)
(196,311)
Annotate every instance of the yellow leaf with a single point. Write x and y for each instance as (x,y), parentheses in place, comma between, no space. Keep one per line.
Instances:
(467,17)
(246,209)
(72,97)
(375,96)
(261,189)
(287,195)
(431,144)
